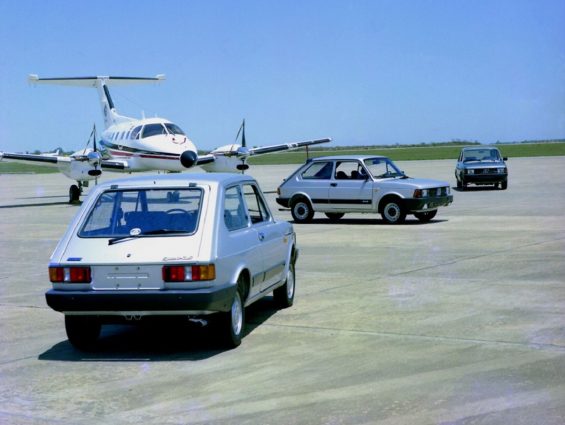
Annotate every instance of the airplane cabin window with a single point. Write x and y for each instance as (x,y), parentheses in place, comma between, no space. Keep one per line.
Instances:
(153,130)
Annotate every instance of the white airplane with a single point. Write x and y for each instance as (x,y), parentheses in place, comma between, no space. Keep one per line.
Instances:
(139,144)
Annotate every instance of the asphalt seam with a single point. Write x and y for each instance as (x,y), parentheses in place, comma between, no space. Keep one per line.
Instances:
(539,346)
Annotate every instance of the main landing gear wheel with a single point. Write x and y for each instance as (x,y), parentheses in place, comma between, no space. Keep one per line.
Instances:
(74,194)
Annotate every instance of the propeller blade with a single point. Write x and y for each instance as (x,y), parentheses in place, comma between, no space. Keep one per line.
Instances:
(243,134)
(94,138)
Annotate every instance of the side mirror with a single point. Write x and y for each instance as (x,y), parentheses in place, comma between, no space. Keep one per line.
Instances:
(505,158)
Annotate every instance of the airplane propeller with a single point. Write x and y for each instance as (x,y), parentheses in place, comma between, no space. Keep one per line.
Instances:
(242,151)
(94,156)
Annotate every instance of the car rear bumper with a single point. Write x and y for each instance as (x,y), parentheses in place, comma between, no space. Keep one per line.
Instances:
(124,302)
(284,202)
(427,204)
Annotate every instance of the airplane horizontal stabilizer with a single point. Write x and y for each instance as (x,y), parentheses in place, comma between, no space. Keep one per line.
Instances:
(91,81)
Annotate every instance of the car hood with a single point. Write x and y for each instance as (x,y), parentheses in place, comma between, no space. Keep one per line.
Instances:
(414,183)
(482,164)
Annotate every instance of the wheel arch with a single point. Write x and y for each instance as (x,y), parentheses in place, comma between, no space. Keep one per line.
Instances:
(387,197)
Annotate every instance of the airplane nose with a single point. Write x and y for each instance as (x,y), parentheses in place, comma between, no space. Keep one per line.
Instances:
(188,159)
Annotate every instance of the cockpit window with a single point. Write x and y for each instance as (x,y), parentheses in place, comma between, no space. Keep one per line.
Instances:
(153,130)
(174,129)
(135,132)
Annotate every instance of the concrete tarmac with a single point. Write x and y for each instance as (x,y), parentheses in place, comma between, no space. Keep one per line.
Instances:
(458,321)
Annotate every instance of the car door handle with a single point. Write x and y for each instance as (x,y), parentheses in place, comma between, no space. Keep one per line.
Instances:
(261,236)
(333,184)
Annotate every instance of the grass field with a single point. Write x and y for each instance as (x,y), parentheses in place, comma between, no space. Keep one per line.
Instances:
(395,153)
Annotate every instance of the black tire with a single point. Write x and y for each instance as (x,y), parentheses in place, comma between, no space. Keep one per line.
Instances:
(504,185)
(334,216)
(424,217)
(301,210)
(284,295)
(82,331)
(232,323)
(393,211)
(459,184)
(74,194)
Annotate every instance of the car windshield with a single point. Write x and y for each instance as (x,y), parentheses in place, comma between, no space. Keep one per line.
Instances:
(139,212)
(381,168)
(481,155)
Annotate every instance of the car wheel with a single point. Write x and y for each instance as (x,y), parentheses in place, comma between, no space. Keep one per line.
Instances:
(504,185)
(459,184)
(82,331)
(334,216)
(233,322)
(284,295)
(301,211)
(393,212)
(74,194)
(424,217)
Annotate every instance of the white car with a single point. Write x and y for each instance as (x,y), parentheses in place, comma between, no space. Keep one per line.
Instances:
(171,245)
(336,185)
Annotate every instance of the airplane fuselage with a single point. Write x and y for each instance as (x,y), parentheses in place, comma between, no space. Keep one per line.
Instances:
(147,144)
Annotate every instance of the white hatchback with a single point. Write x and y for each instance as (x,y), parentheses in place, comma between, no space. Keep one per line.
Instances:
(171,245)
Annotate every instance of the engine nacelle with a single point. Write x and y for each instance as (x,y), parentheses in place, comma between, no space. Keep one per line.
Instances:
(79,170)
(188,159)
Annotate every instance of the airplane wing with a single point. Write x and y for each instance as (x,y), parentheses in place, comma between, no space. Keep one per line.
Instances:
(39,159)
(285,146)
(205,159)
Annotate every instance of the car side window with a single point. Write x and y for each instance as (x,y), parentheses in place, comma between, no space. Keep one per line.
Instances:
(349,170)
(319,171)
(258,212)
(235,216)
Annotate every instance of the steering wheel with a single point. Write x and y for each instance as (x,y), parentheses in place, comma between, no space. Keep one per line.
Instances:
(176,210)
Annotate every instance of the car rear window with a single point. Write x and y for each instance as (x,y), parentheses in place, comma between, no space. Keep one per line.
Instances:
(143,211)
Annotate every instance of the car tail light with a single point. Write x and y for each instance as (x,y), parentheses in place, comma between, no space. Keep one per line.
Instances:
(70,274)
(189,273)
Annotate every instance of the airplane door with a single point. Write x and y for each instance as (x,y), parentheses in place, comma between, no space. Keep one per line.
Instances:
(351,188)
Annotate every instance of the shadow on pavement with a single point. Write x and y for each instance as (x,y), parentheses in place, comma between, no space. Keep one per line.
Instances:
(163,340)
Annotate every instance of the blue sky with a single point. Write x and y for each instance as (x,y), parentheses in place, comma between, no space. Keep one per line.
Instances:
(361,72)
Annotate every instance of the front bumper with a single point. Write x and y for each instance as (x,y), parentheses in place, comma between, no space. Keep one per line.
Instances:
(485,178)
(427,204)
(122,302)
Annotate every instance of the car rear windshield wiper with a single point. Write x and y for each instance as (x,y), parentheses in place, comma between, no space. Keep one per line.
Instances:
(148,233)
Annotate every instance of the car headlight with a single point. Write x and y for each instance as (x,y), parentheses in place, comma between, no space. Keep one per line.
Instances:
(501,170)
(420,193)
(470,171)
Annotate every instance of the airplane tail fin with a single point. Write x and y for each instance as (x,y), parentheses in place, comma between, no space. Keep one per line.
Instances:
(109,112)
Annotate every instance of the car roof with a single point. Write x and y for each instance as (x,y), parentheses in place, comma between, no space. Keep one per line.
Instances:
(178,179)
(346,157)
(478,147)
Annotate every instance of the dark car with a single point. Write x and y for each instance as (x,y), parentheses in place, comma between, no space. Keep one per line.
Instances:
(482,165)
